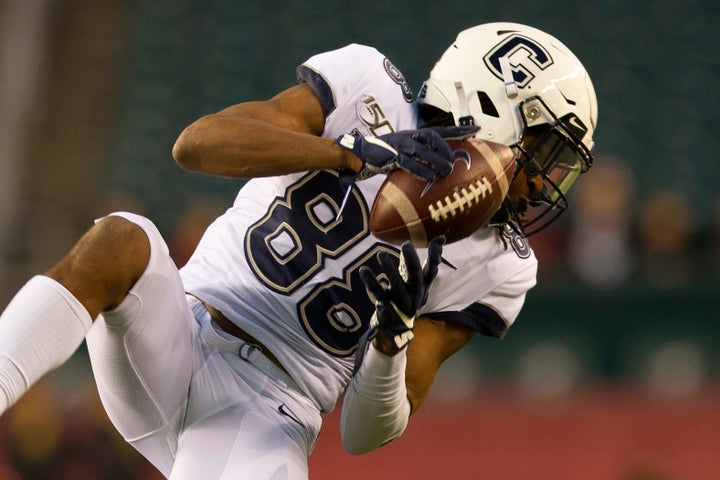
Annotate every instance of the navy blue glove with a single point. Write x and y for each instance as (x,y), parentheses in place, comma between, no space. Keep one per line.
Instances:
(406,290)
(423,152)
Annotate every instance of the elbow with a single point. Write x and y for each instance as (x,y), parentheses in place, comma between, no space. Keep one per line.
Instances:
(353,446)
(183,154)
(187,148)
(355,437)
(369,426)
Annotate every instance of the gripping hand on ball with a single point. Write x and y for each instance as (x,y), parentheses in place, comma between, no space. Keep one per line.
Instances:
(423,152)
(406,290)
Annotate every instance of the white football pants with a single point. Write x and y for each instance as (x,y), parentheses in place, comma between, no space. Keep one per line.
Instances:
(179,391)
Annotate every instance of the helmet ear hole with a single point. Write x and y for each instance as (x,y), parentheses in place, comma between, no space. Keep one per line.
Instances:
(486,105)
(433,116)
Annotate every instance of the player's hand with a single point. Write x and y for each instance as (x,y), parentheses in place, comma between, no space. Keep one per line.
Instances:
(423,152)
(406,290)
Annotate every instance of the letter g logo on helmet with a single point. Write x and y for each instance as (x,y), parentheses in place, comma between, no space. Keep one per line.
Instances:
(525,55)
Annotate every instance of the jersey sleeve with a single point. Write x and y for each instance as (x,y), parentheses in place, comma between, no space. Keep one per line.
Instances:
(493,313)
(482,283)
(335,75)
(359,89)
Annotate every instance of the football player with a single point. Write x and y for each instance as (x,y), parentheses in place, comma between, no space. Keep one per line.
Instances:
(224,368)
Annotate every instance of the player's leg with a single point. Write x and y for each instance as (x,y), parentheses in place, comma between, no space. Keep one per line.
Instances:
(48,318)
(239,443)
(243,422)
(142,353)
(100,269)
(186,400)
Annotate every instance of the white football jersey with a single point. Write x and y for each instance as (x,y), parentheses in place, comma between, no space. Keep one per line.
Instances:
(283,264)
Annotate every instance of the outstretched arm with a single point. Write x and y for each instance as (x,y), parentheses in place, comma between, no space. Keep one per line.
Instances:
(393,376)
(389,387)
(263,138)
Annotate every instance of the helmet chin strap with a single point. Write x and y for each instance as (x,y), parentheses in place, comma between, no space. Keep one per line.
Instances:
(465,117)
(511,88)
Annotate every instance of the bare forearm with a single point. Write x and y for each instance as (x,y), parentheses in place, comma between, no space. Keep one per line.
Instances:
(244,147)
(263,138)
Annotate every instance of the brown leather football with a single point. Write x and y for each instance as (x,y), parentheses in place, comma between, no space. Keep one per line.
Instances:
(454,206)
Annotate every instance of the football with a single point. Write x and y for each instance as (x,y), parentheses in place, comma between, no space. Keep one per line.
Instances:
(454,206)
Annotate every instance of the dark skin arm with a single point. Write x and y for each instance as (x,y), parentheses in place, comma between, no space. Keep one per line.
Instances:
(265,138)
(435,341)
(281,136)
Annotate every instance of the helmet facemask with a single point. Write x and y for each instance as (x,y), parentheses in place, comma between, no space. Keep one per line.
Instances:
(549,150)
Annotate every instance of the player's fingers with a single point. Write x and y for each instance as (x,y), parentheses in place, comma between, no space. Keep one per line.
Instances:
(435,249)
(374,288)
(409,267)
(425,154)
(418,166)
(390,265)
(388,261)
(454,132)
(439,162)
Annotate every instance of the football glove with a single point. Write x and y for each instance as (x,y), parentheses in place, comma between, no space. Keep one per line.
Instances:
(406,290)
(423,152)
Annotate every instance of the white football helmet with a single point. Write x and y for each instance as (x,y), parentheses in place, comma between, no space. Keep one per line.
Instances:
(511,80)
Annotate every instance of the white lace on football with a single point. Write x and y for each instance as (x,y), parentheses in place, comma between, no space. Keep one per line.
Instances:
(460,201)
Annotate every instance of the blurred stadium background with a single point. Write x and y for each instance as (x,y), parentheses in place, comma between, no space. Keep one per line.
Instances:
(611,372)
